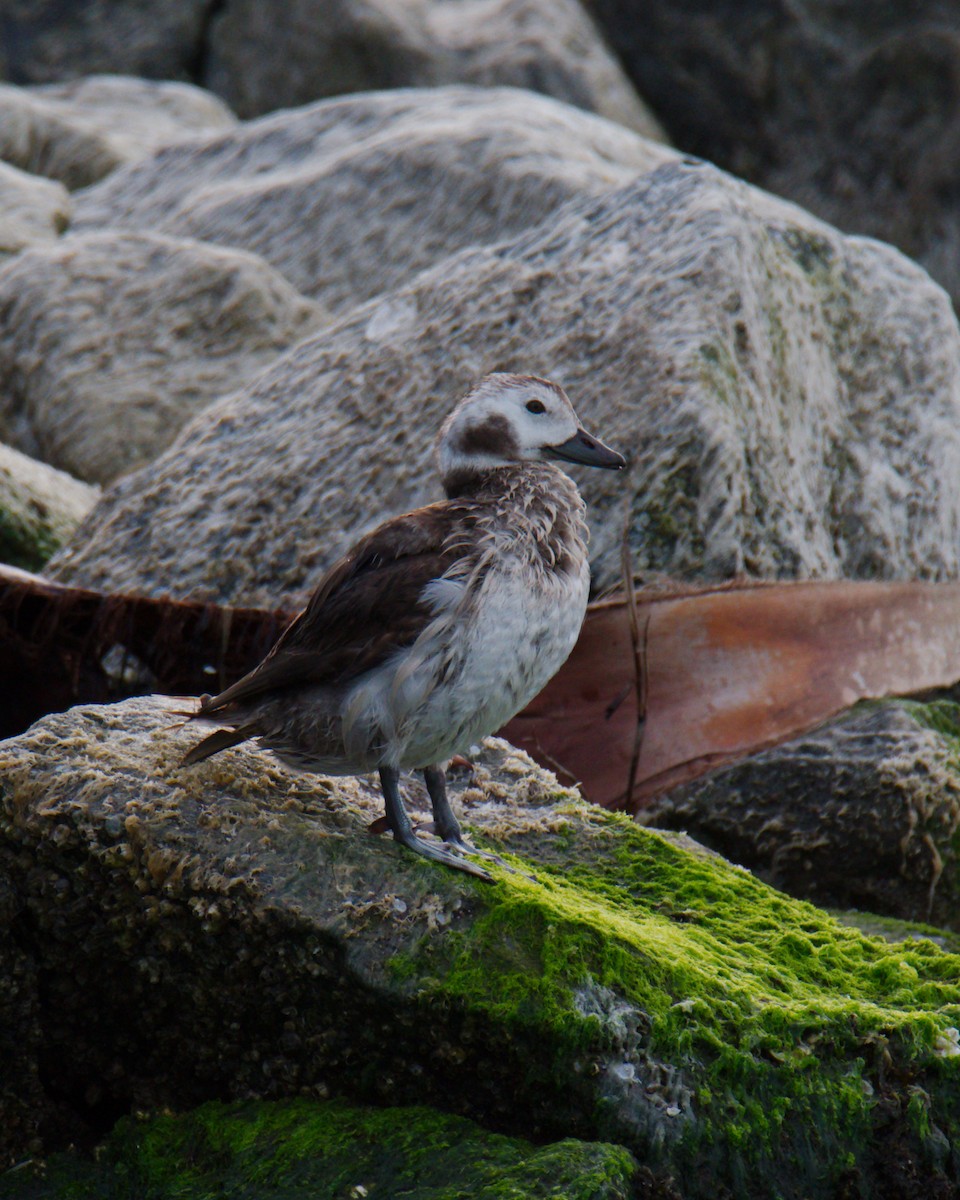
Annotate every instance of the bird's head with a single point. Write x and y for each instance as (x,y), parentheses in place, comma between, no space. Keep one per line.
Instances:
(509,419)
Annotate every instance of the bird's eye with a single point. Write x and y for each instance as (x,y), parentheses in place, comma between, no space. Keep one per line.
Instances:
(536,406)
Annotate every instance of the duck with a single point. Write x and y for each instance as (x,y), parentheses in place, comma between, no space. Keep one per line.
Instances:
(440,624)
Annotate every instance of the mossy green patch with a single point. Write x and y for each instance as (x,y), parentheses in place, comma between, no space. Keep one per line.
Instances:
(731,1025)
(303,1150)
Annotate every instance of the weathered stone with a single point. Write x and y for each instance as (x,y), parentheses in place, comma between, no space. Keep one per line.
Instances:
(861,813)
(329,47)
(548,46)
(46,40)
(79,132)
(40,508)
(325,48)
(341,1150)
(233,930)
(109,343)
(351,197)
(789,399)
(32,209)
(851,110)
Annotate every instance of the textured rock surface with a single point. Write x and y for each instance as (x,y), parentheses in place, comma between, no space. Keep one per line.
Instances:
(305,1150)
(327,47)
(233,930)
(78,132)
(863,812)
(32,209)
(45,40)
(789,399)
(40,508)
(109,343)
(548,46)
(851,110)
(350,197)
(323,48)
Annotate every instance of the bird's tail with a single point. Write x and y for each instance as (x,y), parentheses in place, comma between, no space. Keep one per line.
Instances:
(220,739)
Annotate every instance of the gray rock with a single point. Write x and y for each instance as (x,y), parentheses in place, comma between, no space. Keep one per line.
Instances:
(109,343)
(79,132)
(548,46)
(850,110)
(32,209)
(258,63)
(789,398)
(42,41)
(328,47)
(40,508)
(350,197)
(862,812)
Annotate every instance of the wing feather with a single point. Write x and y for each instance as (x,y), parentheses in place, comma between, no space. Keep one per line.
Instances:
(368,605)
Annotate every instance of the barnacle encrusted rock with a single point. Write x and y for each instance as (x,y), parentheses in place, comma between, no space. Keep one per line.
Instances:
(233,930)
(354,196)
(110,342)
(788,399)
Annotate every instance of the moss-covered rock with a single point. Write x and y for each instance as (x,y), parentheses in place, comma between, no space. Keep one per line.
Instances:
(862,812)
(304,1150)
(231,930)
(40,507)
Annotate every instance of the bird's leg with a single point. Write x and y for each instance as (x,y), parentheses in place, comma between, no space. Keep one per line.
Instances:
(444,818)
(403,831)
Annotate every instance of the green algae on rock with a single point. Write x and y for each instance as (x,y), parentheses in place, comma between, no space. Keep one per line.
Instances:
(40,507)
(304,1149)
(232,931)
(862,812)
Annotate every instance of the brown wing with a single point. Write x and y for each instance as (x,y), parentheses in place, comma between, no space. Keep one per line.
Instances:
(366,606)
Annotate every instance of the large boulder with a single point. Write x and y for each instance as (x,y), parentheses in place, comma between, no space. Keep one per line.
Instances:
(328,47)
(40,507)
(352,197)
(109,343)
(789,399)
(233,930)
(239,49)
(32,209)
(44,41)
(860,813)
(306,1149)
(78,132)
(851,110)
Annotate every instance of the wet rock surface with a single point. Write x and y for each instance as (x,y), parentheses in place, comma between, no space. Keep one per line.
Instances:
(340,1150)
(352,197)
(110,342)
(861,813)
(179,935)
(749,360)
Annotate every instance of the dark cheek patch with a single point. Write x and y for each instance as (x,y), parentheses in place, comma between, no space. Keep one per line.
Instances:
(492,437)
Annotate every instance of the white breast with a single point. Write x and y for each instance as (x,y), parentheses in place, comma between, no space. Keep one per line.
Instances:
(517,631)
